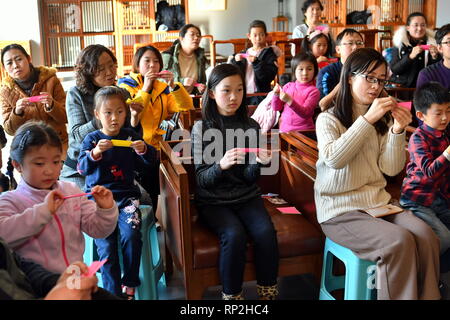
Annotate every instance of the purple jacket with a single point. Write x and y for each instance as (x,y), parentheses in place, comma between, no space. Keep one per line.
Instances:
(298,115)
(32,231)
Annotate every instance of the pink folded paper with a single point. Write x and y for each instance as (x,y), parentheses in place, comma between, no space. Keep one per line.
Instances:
(425,46)
(406,104)
(198,85)
(36,98)
(320,28)
(94,267)
(244,55)
(289,210)
(250,149)
(77,195)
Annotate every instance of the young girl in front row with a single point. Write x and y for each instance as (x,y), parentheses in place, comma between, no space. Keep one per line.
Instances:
(103,162)
(298,99)
(227,195)
(360,138)
(35,220)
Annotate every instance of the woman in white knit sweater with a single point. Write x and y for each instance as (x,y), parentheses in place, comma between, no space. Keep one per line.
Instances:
(360,138)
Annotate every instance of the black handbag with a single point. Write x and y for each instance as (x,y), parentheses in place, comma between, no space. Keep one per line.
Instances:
(170,126)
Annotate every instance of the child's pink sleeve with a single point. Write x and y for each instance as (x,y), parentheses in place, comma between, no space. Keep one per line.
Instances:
(17,227)
(95,221)
(277,103)
(306,110)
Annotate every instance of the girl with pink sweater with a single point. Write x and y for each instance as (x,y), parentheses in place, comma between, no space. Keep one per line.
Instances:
(298,99)
(36,219)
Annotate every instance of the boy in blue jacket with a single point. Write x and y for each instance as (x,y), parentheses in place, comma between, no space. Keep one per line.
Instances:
(109,157)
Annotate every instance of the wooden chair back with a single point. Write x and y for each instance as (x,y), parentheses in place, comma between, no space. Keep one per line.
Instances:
(238,44)
(286,57)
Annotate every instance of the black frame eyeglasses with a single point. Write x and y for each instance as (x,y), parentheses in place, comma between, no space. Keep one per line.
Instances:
(372,79)
(353,43)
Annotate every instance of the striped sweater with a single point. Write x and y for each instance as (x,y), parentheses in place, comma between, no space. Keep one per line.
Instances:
(351,164)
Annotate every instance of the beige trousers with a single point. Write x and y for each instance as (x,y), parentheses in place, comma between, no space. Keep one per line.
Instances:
(405,249)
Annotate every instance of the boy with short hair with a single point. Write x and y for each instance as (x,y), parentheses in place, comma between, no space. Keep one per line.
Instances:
(258,63)
(328,78)
(439,71)
(426,187)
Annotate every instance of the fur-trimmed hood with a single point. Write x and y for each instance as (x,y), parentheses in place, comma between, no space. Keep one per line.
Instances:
(44,74)
(401,37)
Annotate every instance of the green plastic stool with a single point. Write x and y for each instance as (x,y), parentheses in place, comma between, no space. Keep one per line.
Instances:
(359,279)
(151,270)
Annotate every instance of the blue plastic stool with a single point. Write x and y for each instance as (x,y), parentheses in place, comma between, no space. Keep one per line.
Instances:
(359,279)
(151,269)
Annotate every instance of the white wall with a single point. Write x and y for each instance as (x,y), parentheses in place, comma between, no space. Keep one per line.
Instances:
(443,13)
(20,21)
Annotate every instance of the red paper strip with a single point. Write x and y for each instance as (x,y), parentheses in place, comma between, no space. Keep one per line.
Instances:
(425,46)
(36,98)
(256,150)
(289,210)
(406,104)
(77,195)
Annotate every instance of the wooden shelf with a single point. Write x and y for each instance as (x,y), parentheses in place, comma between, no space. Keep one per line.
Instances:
(337,10)
(69,25)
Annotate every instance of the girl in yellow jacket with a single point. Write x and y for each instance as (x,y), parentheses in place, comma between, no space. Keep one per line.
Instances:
(153,100)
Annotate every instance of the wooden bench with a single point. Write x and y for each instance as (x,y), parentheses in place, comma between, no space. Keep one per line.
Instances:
(194,249)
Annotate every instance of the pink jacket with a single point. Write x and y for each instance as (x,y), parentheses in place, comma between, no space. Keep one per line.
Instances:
(31,230)
(298,115)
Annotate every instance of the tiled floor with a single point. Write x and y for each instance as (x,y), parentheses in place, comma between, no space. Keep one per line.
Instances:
(300,287)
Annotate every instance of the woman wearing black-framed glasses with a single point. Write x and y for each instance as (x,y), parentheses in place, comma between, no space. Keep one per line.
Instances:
(360,138)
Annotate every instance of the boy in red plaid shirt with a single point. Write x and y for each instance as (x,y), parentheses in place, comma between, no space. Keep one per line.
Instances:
(426,187)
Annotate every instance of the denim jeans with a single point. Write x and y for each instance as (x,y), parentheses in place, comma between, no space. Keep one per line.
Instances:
(233,224)
(437,216)
(129,230)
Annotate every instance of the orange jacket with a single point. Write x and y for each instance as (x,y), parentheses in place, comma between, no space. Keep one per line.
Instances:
(10,92)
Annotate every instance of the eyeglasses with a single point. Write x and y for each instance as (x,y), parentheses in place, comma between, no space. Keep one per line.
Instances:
(446,43)
(372,79)
(353,43)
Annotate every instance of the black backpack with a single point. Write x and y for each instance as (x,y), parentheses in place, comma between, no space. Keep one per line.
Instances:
(358,17)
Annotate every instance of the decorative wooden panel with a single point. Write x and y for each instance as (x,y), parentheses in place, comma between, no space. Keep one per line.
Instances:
(334,12)
(71,25)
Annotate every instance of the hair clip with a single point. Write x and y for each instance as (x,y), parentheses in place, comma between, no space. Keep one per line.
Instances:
(317,31)
(23,140)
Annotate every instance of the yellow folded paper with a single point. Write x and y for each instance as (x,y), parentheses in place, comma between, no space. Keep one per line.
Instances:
(121,143)
(135,100)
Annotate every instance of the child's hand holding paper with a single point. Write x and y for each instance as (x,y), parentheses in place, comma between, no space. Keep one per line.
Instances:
(264,156)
